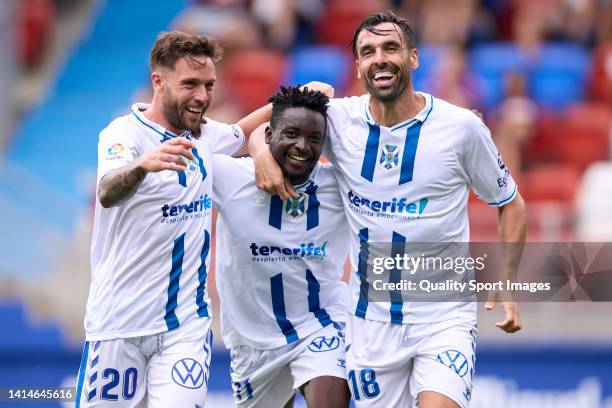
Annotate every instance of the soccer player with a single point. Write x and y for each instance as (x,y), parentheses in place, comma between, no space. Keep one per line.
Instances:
(279,265)
(148,314)
(405,162)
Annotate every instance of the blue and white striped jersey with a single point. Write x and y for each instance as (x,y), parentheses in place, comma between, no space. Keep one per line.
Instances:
(150,254)
(278,264)
(409,184)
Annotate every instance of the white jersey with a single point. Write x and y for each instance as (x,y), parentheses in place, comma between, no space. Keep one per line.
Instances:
(278,264)
(150,254)
(409,184)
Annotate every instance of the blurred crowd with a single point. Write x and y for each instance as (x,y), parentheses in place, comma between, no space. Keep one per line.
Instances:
(540,71)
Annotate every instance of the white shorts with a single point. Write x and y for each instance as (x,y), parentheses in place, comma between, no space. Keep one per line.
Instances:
(269,378)
(388,364)
(160,370)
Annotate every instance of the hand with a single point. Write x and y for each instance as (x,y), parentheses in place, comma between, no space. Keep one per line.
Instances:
(269,176)
(322,87)
(168,156)
(512,322)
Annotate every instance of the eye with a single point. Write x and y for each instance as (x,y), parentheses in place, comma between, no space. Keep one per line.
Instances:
(210,86)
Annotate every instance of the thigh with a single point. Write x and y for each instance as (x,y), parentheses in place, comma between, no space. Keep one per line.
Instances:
(445,363)
(261,378)
(112,374)
(178,370)
(378,363)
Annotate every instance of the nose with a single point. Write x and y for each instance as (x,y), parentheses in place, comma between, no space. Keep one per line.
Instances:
(379,56)
(201,95)
(300,143)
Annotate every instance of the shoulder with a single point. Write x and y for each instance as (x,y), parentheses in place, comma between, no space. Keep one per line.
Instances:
(349,106)
(122,127)
(462,120)
(225,165)
(214,128)
(325,175)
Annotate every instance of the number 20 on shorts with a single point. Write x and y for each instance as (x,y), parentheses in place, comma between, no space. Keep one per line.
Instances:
(363,383)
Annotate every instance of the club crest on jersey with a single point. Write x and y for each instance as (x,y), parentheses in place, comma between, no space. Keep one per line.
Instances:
(296,207)
(389,156)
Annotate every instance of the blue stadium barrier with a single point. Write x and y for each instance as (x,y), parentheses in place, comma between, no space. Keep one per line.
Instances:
(508,375)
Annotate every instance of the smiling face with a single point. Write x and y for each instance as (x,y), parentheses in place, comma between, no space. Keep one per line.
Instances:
(296,142)
(384,61)
(186,92)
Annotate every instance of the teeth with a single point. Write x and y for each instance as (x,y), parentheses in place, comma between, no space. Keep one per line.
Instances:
(297,157)
(194,110)
(383,74)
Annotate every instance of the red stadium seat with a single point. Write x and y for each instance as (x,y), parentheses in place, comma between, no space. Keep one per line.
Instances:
(253,76)
(37,20)
(601,77)
(341,17)
(584,138)
(552,182)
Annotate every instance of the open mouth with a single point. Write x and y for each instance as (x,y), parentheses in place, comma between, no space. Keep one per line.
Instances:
(297,157)
(195,110)
(383,78)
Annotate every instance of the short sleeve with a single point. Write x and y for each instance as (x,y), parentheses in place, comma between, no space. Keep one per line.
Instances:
(223,138)
(115,149)
(487,174)
(230,174)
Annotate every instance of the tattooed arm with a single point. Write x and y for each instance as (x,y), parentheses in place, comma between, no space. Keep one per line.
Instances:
(120,184)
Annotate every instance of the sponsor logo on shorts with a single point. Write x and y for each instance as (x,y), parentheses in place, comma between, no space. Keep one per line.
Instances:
(455,360)
(322,343)
(188,373)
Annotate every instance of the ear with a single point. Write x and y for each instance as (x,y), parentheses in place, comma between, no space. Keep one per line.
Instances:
(414,59)
(156,80)
(268,138)
(357,66)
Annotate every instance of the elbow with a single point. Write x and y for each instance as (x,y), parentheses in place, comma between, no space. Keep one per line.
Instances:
(104,199)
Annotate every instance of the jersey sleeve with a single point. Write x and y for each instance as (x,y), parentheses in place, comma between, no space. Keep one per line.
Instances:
(116,148)
(223,138)
(229,175)
(487,174)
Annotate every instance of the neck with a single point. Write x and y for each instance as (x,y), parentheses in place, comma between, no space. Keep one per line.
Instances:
(155,114)
(403,108)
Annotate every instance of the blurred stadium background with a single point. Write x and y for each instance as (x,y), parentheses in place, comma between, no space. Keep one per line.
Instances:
(540,70)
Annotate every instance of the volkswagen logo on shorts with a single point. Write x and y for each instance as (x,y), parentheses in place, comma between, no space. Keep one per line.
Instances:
(455,360)
(322,343)
(188,373)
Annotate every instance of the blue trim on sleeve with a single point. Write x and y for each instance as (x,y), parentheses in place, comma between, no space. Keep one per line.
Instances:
(505,200)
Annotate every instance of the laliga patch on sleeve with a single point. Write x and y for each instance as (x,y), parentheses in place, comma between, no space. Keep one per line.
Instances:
(115,151)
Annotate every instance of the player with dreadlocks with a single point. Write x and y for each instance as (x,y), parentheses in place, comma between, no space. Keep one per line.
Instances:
(279,265)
